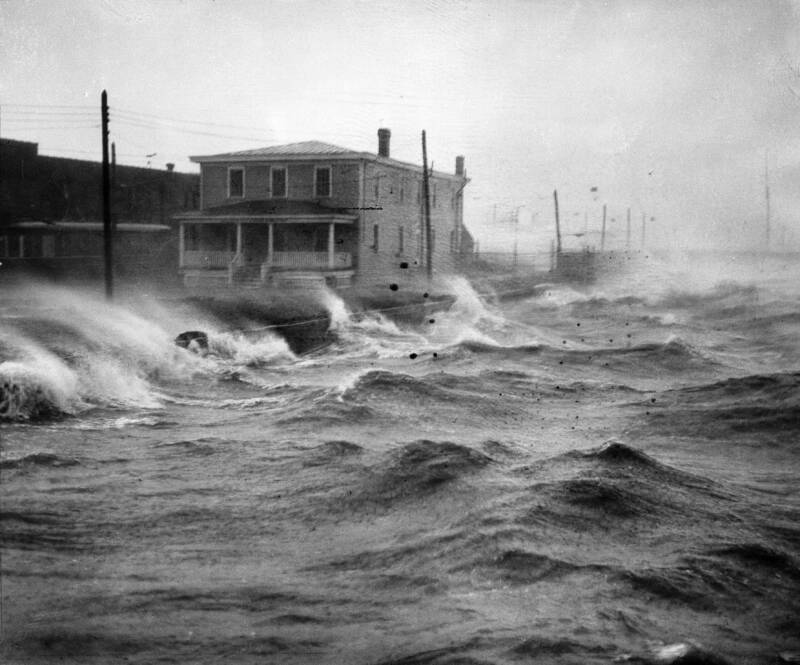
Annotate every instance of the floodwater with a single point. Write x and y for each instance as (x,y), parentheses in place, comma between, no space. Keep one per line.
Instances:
(600,475)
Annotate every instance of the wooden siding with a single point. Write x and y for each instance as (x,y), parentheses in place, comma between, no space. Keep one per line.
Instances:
(397,205)
(344,180)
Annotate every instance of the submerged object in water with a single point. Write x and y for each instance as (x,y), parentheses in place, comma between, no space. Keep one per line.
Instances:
(10,400)
(26,400)
(193,340)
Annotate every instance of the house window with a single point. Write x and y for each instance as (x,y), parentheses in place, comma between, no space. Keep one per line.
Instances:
(235,183)
(375,237)
(400,243)
(322,181)
(279,182)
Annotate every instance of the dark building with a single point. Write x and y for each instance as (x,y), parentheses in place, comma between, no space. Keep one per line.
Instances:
(51,215)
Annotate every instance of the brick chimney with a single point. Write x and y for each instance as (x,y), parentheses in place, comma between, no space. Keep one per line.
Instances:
(460,165)
(383,141)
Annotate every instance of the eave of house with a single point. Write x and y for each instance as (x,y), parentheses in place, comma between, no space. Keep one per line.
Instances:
(323,218)
(50,227)
(239,158)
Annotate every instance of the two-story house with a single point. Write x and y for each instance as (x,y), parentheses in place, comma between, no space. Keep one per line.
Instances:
(312,212)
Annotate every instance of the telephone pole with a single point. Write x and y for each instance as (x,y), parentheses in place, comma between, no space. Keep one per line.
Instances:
(603,231)
(428,232)
(106,187)
(643,229)
(558,224)
(628,231)
(766,194)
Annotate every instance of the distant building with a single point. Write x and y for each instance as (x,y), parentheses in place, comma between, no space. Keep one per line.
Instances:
(51,215)
(315,212)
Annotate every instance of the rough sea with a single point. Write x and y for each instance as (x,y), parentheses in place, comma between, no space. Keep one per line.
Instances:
(599,474)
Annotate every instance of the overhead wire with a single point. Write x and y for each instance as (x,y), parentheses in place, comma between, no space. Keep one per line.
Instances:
(39,128)
(49,106)
(147,125)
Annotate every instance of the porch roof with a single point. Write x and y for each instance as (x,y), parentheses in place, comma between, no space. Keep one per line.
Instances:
(67,227)
(272,210)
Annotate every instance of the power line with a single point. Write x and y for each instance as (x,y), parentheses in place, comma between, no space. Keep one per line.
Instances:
(92,152)
(136,115)
(49,106)
(38,128)
(71,150)
(145,125)
(55,122)
(45,115)
(31,119)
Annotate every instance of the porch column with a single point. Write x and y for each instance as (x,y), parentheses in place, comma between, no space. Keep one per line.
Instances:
(181,245)
(238,238)
(331,262)
(270,244)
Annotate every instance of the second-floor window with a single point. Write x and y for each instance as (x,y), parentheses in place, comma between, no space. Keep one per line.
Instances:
(279,184)
(322,181)
(235,183)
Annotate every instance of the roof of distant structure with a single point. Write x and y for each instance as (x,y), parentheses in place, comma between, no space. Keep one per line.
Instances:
(307,150)
(86,226)
(301,148)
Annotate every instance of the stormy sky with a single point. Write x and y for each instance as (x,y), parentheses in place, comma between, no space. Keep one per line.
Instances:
(673,109)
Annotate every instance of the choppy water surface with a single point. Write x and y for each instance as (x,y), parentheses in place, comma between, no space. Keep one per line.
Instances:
(594,476)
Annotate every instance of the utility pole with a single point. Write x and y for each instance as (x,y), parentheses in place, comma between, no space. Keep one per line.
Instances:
(113,181)
(558,225)
(628,231)
(106,187)
(426,186)
(643,229)
(515,222)
(766,193)
(603,231)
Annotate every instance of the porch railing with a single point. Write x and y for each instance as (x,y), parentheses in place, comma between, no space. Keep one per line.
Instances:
(225,260)
(317,260)
(207,259)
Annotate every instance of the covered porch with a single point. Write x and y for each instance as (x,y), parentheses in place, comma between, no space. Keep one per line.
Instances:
(256,250)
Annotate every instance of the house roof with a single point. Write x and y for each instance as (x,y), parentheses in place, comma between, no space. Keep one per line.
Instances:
(310,150)
(303,148)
